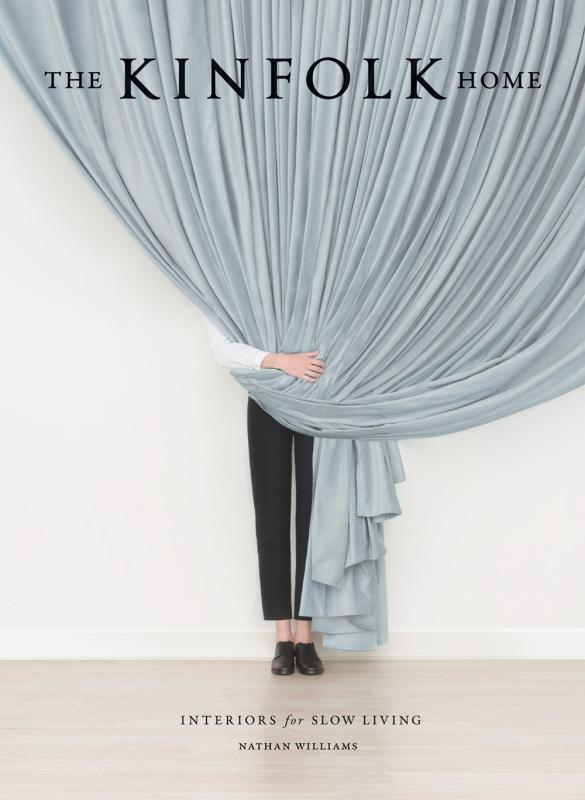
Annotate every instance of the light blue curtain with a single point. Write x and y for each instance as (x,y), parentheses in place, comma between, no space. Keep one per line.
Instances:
(433,250)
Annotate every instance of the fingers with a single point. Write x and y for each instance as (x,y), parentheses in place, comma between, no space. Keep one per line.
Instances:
(310,355)
(304,375)
(313,369)
(313,372)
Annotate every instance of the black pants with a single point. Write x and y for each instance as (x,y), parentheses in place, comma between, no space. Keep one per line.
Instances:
(270,447)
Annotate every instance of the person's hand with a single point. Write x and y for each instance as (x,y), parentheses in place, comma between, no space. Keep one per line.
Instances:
(304,366)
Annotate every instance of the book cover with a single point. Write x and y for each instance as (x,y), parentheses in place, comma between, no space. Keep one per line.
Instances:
(293,355)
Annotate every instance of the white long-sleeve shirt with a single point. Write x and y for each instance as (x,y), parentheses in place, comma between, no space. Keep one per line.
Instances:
(232,354)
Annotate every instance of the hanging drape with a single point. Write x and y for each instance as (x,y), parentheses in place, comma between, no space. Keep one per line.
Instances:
(433,250)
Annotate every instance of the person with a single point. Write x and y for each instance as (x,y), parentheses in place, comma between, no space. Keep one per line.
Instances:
(270,447)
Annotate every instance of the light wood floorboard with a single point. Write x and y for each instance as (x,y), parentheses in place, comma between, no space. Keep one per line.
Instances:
(110,730)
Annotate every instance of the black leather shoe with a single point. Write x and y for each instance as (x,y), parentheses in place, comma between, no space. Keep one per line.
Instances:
(283,662)
(308,662)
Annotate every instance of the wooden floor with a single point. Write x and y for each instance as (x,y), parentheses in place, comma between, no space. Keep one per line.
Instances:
(111,730)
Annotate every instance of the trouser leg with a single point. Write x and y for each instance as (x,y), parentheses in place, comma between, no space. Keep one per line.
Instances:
(270,452)
(303,449)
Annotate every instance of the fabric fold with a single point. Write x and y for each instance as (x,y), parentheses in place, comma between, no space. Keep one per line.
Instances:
(354,493)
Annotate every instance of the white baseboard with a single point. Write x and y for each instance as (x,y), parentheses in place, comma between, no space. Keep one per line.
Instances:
(77,643)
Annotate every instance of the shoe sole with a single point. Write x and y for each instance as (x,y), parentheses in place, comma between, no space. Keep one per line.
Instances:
(282,672)
(311,671)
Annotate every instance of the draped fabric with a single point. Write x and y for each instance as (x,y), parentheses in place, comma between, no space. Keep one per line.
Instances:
(433,250)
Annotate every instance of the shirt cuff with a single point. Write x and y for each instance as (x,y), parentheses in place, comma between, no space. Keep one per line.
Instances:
(259,358)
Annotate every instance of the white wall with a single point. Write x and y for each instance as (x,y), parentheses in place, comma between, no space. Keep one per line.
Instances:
(126,516)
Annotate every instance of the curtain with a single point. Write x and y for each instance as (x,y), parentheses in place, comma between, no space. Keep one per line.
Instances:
(433,250)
